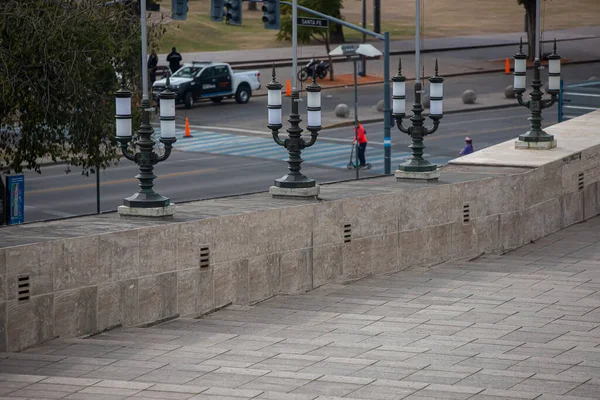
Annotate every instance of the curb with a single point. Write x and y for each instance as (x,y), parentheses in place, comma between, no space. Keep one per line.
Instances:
(62,162)
(286,62)
(459,111)
(456,74)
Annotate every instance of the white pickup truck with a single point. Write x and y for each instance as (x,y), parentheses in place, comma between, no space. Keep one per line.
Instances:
(207,80)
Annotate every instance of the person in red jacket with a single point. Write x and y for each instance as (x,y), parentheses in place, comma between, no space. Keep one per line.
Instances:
(361,134)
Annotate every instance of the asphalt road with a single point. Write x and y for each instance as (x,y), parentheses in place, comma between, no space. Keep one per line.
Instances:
(189,175)
(185,176)
(253,114)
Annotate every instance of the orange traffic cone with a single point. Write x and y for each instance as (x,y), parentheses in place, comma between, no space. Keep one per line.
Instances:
(288,88)
(187,128)
(507,67)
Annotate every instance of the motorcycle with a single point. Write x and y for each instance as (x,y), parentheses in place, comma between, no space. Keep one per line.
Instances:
(314,67)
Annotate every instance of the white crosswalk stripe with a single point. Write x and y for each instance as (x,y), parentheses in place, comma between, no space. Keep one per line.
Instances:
(323,153)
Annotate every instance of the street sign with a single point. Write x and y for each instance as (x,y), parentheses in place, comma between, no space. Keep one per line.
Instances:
(349,48)
(313,22)
(15,194)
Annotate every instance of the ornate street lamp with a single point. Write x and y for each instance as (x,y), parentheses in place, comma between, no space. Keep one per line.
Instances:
(294,184)
(417,167)
(536,138)
(146,202)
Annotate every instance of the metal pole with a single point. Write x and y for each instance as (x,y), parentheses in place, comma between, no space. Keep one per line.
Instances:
(418,40)
(537,29)
(560,102)
(377,16)
(98,190)
(364,35)
(356,118)
(387,140)
(295,44)
(144,51)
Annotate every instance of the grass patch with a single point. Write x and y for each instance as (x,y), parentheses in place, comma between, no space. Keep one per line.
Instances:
(442,18)
(198,33)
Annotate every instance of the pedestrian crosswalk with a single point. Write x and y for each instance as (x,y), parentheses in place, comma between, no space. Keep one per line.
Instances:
(336,155)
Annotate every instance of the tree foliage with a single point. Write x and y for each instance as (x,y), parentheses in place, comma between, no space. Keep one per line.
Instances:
(530,15)
(59,67)
(307,34)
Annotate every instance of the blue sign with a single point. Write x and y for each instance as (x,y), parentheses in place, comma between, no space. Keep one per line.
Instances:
(15,188)
(2,203)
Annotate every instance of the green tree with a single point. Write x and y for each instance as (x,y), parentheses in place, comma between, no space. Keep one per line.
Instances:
(530,16)
(334,34)
(60,63)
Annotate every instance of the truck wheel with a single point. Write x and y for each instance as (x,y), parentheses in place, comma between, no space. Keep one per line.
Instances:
(243,94)
(188,100)
(216,99)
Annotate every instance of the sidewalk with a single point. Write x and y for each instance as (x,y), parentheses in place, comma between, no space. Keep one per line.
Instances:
(523,325)
(452,105)
(396,46)
(451,63)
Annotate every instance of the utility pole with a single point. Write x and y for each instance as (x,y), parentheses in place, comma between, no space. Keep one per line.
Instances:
(377,16)
(387,141)
(295,44)
(364,36)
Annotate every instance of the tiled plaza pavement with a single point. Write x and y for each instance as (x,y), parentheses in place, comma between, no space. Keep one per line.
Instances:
(525,325)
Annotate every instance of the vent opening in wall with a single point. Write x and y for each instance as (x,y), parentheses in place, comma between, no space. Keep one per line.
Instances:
(581,181)
(204,257)
(347,233)
(23,288)
(466,213)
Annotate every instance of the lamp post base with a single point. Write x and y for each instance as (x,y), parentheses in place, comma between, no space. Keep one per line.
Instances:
(547,145)
(305,192)
(152,212)
(417,175)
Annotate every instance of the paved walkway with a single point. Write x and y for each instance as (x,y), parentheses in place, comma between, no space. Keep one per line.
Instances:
(396,46)
(525,325)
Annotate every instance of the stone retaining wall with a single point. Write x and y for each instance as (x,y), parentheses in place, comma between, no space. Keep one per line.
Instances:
(84,285)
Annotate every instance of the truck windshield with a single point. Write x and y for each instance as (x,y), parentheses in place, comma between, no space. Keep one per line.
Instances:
(185,72)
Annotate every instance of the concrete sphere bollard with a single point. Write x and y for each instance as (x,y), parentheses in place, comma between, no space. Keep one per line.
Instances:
(425,100)
(380,105)
(469,97)
(509,92)
(342,111)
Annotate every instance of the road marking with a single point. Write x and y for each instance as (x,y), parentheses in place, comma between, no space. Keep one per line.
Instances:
(475,133)
(324,152)
(468,133)
(118,182)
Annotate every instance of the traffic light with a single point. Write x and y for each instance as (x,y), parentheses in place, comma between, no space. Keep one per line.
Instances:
(271,16)
(152,5)
(179,9)
(234,12)
(216,10)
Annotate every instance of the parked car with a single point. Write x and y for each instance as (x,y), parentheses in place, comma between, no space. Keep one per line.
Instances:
(207,80)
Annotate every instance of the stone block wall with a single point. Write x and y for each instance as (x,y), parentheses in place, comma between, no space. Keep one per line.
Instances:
(84,285)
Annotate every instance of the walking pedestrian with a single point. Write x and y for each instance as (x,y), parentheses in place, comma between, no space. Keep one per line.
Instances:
(152,63)
(360,133)
(468,147)
(174,59)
